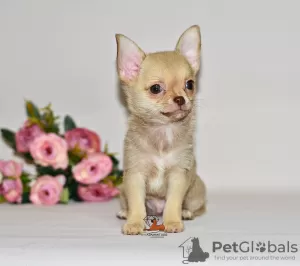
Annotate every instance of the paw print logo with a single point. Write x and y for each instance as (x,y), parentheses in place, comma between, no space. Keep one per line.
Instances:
(261,247)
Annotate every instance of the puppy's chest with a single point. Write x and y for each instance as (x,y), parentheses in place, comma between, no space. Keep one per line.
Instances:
(163,155)
(160,164)
(163,138)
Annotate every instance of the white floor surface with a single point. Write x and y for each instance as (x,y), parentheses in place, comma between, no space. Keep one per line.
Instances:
(89,234)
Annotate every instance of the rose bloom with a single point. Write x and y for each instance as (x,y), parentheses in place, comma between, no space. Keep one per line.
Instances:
(97,192)
(46,190)
(12,190)
(10,168)
(92,169)
(26,135)
(50,150)
(84,139)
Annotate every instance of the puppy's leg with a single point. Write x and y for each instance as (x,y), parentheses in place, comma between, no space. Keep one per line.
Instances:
(122,214)
(134,188)
(177,187)
(194,203)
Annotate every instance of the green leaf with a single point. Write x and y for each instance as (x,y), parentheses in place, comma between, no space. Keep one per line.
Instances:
(26,188)
(109,179)
(49,120)
(74,158)
(31,110)
(118,178)
(2,199)
(114,160)
(25,197)
(27,156)
(49,125)
(115,177)
(34,121)
(73,187)
(120,173)
(118,181)
(64,197)
(41,170)
(54,128)
(25,178)
(115,163)
(9,137)
(69,123)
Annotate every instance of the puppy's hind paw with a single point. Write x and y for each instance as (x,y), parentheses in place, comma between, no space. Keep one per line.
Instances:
(187,215)
(122,214)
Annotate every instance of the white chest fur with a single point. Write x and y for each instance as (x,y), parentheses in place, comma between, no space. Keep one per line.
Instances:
(169,134)
(162,162)
(164,134)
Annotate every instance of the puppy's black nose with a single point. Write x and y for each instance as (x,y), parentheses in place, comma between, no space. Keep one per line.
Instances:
(179,100)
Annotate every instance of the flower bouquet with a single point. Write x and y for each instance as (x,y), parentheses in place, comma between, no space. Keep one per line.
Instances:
(67,166)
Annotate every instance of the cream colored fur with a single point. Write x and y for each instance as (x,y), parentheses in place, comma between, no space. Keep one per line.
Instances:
(159,160)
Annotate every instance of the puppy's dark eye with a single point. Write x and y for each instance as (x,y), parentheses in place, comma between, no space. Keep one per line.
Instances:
(155,89)
(189,85)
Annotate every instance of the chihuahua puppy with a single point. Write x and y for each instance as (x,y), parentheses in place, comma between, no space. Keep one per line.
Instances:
(159,161)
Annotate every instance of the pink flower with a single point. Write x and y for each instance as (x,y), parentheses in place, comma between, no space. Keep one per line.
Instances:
(11,168)
(86,140)
(46,190)
(26,135)
(50,150)
(93,169)
(97,192)
(12,190)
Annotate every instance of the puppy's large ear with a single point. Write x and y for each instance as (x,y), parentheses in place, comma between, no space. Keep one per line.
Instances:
(189,45)
(129,58)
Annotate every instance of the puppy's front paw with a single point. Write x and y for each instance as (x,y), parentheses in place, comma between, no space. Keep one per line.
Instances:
(133,228)
(174,227)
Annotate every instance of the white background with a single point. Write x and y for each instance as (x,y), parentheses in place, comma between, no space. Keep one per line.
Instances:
(248,113)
